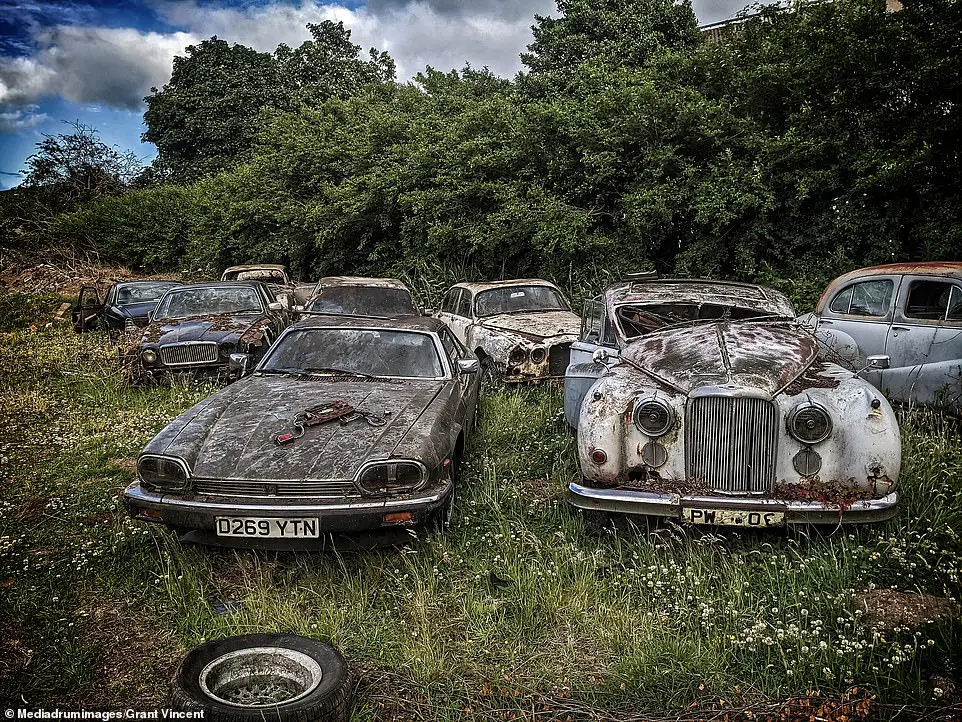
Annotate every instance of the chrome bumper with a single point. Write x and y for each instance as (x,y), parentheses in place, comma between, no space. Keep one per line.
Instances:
(647,503)
(346,516)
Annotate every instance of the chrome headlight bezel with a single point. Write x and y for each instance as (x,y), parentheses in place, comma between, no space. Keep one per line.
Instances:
(657,405)
(389,483)
(799,413)
(154,480)
(149,356)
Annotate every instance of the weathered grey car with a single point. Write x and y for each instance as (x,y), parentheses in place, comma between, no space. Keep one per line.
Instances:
(712,405)
(346,425)
(210,328)
(521,330)
(275,276)
(910,314)
(362,296)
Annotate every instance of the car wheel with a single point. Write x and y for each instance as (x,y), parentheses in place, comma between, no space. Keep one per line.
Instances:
(282,677)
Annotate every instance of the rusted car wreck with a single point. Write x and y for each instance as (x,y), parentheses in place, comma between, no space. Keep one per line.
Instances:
(362,296)
(714,406)
(347,424)
(521,330)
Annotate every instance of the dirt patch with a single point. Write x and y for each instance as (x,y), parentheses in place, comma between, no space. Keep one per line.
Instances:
(888,608)
(136,660)
(62,274)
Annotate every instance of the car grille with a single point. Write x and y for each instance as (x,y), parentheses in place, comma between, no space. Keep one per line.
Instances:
(558,359)
(182,354)
(731,443)
(285,489)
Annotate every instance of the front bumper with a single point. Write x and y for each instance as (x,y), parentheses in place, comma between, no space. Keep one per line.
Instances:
(355,515)
(647,503)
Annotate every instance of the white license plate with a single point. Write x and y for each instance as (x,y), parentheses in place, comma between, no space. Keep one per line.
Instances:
(268,528)
(728,517)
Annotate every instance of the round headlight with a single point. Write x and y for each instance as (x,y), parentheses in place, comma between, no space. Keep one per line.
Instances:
(149,356)
(653,416)
(517,355)
(809,423)
(539,354)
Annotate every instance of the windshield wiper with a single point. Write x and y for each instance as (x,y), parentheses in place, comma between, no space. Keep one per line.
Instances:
(331,370)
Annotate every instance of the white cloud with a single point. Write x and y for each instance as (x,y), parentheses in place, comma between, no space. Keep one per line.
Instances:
(17,119)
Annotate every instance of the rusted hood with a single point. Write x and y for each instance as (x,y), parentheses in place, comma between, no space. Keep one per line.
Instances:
(238,443)
(536,324)
(752,354)
(209,328)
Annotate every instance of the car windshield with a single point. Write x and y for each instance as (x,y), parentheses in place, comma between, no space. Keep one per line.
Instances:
(364,301)
(141,292)
(514,299)
(209,301)
(356,351)
(636,320)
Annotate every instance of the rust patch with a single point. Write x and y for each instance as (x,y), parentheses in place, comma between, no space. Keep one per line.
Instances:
(889,608)
(840,494)
(638,480)
(813,378)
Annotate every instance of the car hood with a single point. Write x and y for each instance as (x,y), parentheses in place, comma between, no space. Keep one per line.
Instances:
(748,354)
(208,328)
(239,442)
(535,325)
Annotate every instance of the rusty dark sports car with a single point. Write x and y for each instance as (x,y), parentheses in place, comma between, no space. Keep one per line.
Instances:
(708,403)
(346,425)
(208,328)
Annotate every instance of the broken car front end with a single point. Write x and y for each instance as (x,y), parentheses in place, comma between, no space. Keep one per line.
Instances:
(736,424)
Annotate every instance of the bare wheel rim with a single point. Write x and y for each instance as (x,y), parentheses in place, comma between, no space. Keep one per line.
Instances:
(259,677)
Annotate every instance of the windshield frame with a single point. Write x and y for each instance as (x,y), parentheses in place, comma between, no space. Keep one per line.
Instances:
(557,291)
(616,317)
(155,315)
(447,373)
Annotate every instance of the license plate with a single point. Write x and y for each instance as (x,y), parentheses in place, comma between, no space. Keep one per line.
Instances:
(270,528)
(728,517)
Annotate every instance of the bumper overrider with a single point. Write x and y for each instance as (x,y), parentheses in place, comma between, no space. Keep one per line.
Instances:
(752,511)
(200,514)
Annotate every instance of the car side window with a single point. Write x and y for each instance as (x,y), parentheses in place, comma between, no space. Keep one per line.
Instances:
(450,302)
(592,320)
(868,298)
(464,305)
(929,300)
(451,346)
(954,312)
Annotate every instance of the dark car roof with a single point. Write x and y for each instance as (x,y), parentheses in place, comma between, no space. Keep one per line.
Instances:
(361,281)
(402,323)
(158,282)
(223,284)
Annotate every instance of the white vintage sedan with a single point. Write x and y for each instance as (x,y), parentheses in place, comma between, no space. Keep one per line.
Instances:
(727,416)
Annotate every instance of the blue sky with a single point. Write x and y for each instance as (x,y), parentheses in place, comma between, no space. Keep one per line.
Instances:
(93,61)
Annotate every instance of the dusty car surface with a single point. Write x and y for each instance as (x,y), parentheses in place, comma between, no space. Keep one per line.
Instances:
(361,296)
(216,328)
(125,306)
(637,306)
(347,424)
(275,276)
(728,417)
(908,313)
(521,330)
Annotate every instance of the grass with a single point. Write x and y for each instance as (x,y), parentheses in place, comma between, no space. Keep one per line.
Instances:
(518,610)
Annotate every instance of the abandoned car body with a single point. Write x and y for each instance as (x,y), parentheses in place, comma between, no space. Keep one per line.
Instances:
(521,329)
(346,425)
(738,421)
(361,296)
(126,306)
(210,328)
(909,313)
(274,276)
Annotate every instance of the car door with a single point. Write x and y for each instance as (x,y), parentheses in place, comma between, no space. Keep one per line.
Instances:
(924,343)
(449,305)
(86,314)
(862,310)
(582,371)
(466,385)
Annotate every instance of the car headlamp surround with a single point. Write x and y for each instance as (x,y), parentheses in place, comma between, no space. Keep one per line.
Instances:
(148,356)
(391,476)
(653,416)
(158,472)
(809,422)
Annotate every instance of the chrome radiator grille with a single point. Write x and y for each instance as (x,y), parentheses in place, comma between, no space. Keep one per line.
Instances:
(180,354)
(282,489)
(731,443)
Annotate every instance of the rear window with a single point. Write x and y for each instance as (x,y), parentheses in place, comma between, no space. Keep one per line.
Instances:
(364,301)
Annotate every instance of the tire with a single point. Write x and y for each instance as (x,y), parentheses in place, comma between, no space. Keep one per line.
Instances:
(303,680)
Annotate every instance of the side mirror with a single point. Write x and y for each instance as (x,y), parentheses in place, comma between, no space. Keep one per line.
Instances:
(601,356)
(879,362)
(276,306)
(468,366)
(238,363)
